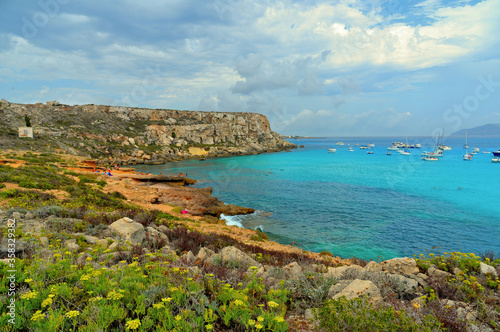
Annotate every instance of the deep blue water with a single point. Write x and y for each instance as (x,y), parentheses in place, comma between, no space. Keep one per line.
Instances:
(355,204)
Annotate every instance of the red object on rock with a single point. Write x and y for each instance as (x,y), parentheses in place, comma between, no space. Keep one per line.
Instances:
(184,212)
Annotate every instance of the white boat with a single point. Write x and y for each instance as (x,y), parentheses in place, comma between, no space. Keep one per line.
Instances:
(467,155)
(340,143)
(445,147)
(418,146)
(485,151)
(364,147)
(371,145)
(404,152)
(475,150)
(495,160)
(429,158)
(332,150)
(393,148)
(370,152)
(351,149)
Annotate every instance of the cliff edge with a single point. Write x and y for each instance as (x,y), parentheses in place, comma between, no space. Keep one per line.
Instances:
(127,135)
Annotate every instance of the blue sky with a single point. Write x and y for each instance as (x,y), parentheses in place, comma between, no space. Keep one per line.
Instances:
(318,68)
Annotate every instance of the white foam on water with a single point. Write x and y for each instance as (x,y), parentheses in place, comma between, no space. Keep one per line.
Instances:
(232,220)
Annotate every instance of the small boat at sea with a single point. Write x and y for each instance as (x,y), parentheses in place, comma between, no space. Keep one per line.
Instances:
(467,155)
(429,158)
(495,160)
(388,153)
(371,145)
(340,143)
(393,148)
(370,152)
(404,152)
(418,145)
(496,153)
(351,149)
(364,147)
(485,151)
(332,150)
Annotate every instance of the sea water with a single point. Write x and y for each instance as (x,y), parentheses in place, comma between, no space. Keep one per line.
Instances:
(372,206)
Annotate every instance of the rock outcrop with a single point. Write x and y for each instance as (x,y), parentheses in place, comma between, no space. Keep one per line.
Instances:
(127,135)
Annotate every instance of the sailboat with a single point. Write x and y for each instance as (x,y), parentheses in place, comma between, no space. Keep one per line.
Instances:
(405,152)
(467,155)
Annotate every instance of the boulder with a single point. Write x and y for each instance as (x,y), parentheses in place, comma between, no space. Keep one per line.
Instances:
(16,215)
(72,246)
(103,243)
(437,273)
(487,269)
(403,284)
(373,267)
(338,287)
(129,230)
(402,265)
(91,239)
(20,247)
(341,271)
(155,234)
(360,287)
(204,254)
(293,270)
(233,254)
(29,215)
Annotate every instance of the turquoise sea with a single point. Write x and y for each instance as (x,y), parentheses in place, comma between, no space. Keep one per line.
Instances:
(372,206)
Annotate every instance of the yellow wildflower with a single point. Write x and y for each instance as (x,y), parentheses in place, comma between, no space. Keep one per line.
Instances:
(259,326)
(178,317)
(38,316)
(238,302)
(114,295)
(29,295)
(273,304)
(166,299)
(72,314)
(279,319)
(28,280)
(158,305)
(251,322)
(209,327)
(260,319)
(133,324)
(88,259)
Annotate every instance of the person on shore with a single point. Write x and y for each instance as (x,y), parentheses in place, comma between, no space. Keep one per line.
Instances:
(186,175)
(180,174)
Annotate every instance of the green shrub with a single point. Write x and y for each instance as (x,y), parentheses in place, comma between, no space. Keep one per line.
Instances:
(359,315)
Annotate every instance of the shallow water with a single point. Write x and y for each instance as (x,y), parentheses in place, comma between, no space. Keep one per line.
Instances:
(355,204)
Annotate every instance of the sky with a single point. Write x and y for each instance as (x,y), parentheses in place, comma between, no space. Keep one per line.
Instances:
(314,68)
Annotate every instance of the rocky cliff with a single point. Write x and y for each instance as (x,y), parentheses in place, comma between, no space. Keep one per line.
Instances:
(127,135)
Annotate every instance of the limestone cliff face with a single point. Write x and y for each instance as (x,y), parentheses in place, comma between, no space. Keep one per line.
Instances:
(137,135)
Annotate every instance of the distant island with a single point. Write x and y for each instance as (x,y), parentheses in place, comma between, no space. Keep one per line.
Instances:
(492,130)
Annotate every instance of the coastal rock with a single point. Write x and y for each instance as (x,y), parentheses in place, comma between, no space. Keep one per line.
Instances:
(204,254)
(197,201)
(233,254)
(338,287)
(402,265)
(169,134)
(293,270)
(154,234)
(15,215)
(341,271)
(129,230)
(91,239)
(487,269)
(20,247)
(437,273)
(73,247)
(103,243)
(403,284)
(360,287)
(373,267)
